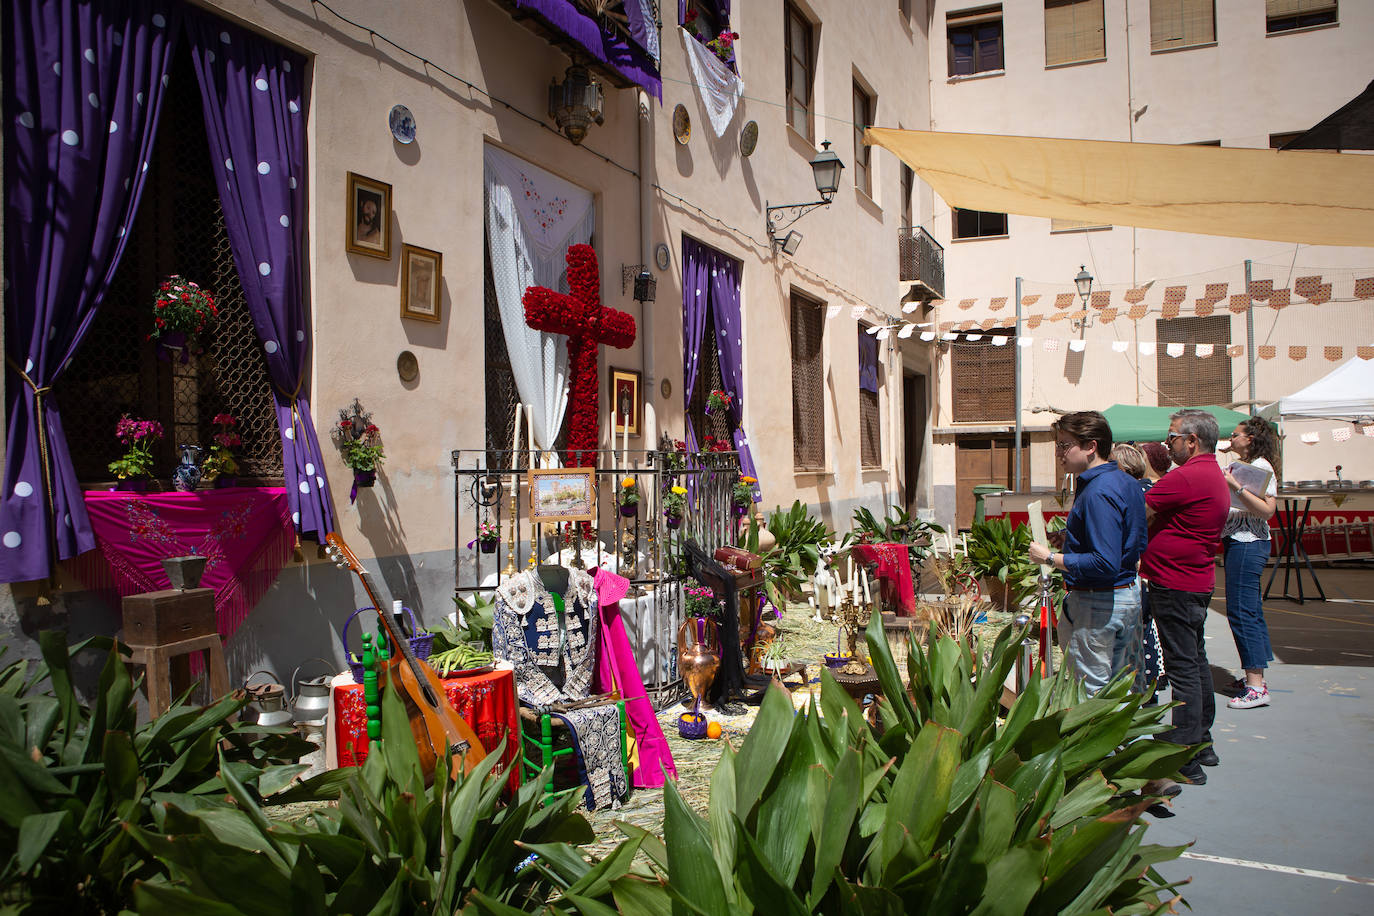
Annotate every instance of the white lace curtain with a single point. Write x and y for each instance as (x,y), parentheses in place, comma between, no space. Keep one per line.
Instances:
(532,218)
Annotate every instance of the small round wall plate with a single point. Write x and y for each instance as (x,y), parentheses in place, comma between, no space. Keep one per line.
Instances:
(662,256)
(682,124)
(402,124)
(407,366)
(665,387)
(748,139)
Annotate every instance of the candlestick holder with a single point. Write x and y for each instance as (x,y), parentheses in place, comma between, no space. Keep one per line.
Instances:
(514,524)
(853,617)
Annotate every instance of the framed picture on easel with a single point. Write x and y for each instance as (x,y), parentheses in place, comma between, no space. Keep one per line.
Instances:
(562,494)
(626,396)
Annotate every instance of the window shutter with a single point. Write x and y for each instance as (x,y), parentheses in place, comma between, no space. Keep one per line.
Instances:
(1074,31)
(870,430)
(1182,23)
(808,390)
(1274,9)
(983,380)
(1190,380)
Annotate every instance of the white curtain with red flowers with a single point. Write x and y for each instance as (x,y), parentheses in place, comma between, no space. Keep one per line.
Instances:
(533,216)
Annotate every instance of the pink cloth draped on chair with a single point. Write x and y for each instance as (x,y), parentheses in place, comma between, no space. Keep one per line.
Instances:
(245,533)
(616,667)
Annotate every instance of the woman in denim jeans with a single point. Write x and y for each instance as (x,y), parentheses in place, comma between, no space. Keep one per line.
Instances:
(1245,539)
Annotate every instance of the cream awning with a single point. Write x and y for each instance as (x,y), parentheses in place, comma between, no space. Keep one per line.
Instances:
(1313,198)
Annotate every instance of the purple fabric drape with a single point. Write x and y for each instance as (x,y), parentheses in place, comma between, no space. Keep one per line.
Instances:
(720,7)
(253,95)
(629,60)
(711,290)
(83,85)
(868,361)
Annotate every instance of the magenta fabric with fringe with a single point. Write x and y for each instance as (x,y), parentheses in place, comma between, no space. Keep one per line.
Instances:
(246,534)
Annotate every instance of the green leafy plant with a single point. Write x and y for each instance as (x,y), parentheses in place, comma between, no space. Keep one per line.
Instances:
(181,306)
(674,501)
(899,528)
(359,439)
(793,558)
(138,436)
(628,492)
(997,553)
(742,491)
(76,779)
(221,461)
(700,601)
(478,618)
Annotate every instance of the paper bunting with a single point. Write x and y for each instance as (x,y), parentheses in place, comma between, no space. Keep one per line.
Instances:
(1064,300)
(1333,354)
(1175,350)
(946,325)
(1204,350)
(1174,295)
(1033,321)
(998,304)
(1268,351)
(1216,292)
(1297,353)
(1260,289)
(973,338)
(857,311)
(1364,288)
(1051,345)
(1235,350)
(909,307)
(1136,295)
(927,336)
(967,325)
(1306,286)
(1138,312)
(1170,311)
(1101,299)
(906,331)
(1000,340)
(832,312)
(1120,346)
(1028,301)
(950,335)
(1109,314)
(1024,342)
(967,303)
(1279,299)
(882,333)
(1239,303)
(1368,430)
(1364,352)
(1341,434)
(1077,345)
(1321,295)
(1311,438)
(1203,308)
(989,323)
(1147,349)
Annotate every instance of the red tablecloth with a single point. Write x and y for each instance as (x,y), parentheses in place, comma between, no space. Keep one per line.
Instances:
(245,533)
(485,701)
(894,575)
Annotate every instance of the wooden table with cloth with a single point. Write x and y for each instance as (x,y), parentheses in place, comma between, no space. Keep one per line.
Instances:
(486,701)
(892,568)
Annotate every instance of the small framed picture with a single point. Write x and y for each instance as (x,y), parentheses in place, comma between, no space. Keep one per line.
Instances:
(422,276)
(562,494)
(368,230)
(625,396)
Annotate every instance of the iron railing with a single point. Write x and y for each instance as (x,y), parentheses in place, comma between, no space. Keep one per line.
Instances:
(492,486)
(922,260)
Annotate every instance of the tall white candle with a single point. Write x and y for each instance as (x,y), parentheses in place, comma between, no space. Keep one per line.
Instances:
(863,577)
(529,434)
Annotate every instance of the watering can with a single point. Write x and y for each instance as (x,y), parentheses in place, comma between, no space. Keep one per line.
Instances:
(267,702)
(311,700)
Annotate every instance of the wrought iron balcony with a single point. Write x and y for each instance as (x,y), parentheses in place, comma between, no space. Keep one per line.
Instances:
(596,33)
(922,261)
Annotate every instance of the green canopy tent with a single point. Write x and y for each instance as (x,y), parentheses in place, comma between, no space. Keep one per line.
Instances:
(1139,423)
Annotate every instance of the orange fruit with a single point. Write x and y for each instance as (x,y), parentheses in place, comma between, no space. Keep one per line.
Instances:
(713,730)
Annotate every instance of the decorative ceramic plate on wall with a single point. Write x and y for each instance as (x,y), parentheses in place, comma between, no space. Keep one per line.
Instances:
(682,124)
(748,139)
(402,124)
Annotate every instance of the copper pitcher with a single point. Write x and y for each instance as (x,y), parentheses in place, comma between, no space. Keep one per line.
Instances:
(698,656)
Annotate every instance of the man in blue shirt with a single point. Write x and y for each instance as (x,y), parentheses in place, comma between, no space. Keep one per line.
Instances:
(1100,628)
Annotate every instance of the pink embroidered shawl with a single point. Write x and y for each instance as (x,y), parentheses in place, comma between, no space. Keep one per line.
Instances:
(616,666)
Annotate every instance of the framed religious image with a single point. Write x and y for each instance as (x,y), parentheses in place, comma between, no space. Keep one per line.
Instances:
(562,494)
(368,229)
(626,398)
(422,275)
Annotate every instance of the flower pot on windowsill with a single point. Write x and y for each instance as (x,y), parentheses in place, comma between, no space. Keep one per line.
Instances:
(364,478)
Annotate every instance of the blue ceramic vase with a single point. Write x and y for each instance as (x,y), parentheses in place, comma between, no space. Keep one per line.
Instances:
(186,476)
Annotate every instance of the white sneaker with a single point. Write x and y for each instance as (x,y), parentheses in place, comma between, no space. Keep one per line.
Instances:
(1250,698)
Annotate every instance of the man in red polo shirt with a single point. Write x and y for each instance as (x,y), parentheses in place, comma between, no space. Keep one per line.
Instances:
(1187,509)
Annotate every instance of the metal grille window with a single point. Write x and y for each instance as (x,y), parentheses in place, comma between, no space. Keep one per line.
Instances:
(975,40)
(983,380)
(1191,380)
(797,43)
(1182,23)
(179,230)
(978,224)
(808,384)
(1074,31)
(870,419)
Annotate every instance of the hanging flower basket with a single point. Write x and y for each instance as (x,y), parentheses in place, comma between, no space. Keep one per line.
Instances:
(673,521)
(488,546)
(364,478)
(629,510)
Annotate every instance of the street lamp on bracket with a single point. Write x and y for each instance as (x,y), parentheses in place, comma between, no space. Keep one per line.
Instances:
(825,169)
(1084,282)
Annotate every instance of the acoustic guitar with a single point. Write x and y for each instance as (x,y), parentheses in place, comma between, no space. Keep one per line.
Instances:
(437,727)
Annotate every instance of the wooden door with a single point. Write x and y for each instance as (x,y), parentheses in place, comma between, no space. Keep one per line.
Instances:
(980,459)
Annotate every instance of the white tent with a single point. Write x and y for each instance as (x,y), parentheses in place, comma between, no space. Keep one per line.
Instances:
(1346,393)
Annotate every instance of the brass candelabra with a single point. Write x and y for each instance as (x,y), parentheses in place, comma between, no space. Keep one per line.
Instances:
(853,617)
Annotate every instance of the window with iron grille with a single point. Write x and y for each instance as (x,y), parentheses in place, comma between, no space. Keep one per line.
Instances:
(1287,15)
(709,378)
(1182,23)
(179,229)
(808,383)
(1074,31)
(863,154)
(908,185)
(1191,380)
(798,49)
(975,40)
(983,379)
(978,224)
(870,420)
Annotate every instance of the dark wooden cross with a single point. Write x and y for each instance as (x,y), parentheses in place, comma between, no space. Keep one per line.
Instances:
(581,317)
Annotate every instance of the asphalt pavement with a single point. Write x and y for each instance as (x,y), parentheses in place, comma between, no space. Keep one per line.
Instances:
(1285,825)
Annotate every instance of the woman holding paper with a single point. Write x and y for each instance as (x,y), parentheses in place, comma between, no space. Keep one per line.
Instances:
(1245,540)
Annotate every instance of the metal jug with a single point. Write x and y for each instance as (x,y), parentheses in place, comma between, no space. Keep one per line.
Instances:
(267,703)
(311,702)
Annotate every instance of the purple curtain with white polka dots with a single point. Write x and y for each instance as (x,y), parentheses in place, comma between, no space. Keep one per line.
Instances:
(253,94)
(83,83)
(725,305)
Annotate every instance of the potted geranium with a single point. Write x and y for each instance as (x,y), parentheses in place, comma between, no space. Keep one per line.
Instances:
(221,467)
(137,464)
(360,444)
(742,493)
(181,309)
(723,46)
(488,537)
(674,505)
(629,497)
(717,401)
